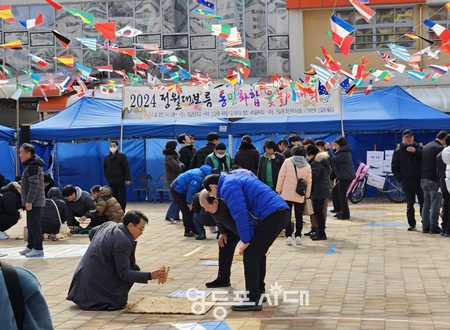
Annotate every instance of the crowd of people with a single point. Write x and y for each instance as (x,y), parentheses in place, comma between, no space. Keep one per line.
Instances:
(250,198)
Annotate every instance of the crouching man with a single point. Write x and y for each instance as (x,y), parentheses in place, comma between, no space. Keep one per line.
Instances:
(108,269)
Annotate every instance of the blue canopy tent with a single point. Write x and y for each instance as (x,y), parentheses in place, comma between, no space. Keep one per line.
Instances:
(388,109)
(6,133)
(91,118)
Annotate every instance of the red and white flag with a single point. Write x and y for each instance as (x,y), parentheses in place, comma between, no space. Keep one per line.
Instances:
(42,63)
(366,12)
(51,81)
(232,43)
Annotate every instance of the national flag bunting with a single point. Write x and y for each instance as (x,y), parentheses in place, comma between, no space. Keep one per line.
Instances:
(54,4)
(147,46)
(107,29)
(109,46)
(399,52)
(6,13)
(322,73)
(441,32)
(6,71)
(31,23)
(416,36)
(174,59)
(245,72)
(42,63)
(25,88)
(127,51)
(105,68)
(447,5)
(17,94)
(369,88)
(139,63)
(90,43)
(84,70)
(230,43)
(86,17)
(34,77)
(51,81)
(341,30)
(128,31)
(428,52)
(366,12)
(207,13)
(206,3)
(66,60)
(416,74)
(62,39)
(16,45)
(220,30)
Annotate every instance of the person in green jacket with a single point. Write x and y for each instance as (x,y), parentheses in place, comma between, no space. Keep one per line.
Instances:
(219,159)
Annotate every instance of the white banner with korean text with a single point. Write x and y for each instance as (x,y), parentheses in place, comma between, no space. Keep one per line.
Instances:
(141,102)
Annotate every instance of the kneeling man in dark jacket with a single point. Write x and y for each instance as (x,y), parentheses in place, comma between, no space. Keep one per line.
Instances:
(108,269)
(260,215)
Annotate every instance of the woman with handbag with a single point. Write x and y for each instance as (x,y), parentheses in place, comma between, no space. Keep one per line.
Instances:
(54,214)
(294,178)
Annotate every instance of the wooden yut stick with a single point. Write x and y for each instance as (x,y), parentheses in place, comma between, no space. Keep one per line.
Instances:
(167,274)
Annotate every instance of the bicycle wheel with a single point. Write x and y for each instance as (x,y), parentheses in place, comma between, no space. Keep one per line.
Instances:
(359,193)
(393,190)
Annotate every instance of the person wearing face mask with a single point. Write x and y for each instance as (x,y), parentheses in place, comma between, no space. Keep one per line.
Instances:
(270,164)
(117,173)
(219,159)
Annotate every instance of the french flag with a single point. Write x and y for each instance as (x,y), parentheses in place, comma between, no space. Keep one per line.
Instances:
(442,32)
(340,31)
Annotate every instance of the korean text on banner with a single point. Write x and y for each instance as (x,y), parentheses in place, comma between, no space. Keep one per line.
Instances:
(376,181)
(224,102)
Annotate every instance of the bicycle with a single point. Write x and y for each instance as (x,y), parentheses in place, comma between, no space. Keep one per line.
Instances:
(391,188)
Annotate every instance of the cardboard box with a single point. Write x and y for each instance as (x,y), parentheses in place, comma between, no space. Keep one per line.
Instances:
(388,154)
(375,156)
(387,166)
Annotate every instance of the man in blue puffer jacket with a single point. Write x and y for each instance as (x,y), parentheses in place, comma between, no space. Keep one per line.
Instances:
(260,215)
(183,189)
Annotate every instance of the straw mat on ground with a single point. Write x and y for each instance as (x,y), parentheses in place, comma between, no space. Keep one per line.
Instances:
(162,305)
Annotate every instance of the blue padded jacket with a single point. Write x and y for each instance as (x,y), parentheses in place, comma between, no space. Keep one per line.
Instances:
(190,182)
(250,202)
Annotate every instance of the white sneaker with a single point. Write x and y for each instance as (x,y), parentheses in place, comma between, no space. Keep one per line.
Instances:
(35,254)
(3,235)
(288,240)
(24,252)
(213,229)
(298,240)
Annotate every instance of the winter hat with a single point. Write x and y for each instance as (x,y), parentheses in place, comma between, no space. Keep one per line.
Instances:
(312,150)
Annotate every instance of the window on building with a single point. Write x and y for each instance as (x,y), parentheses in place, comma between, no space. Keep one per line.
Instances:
(440,15)
(387,26)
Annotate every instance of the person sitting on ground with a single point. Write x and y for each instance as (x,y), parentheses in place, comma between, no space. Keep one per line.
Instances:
(79,203)
(53,213)
(108,269)
(48,183)
(36,314)
(10,203)
(219,159)
(201,218)
(247,155)
(108,207)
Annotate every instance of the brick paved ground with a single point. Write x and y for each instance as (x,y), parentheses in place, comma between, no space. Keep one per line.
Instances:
(379,276)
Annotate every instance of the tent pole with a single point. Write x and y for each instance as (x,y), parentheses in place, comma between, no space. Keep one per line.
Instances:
(230,144)
(17,132)
(342,116)
(121,121)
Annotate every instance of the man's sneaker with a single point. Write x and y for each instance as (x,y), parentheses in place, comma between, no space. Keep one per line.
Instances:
(170,220)
(200,237)
(24,252)
(446,235)
(412,228)
(3,235)
(35,254)
(288,240)
(435,231)
(298,240)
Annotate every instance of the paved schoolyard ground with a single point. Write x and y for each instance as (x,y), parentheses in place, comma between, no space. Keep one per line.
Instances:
(371,273)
